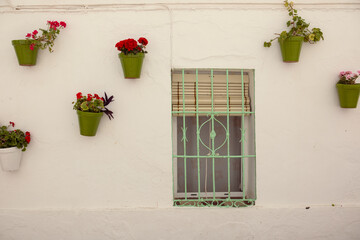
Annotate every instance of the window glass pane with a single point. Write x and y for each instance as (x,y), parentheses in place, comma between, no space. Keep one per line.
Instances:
(205,147)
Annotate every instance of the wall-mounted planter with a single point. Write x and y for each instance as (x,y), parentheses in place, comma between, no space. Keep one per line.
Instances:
(131,64)
(10,158)
(25,56)
(89,122)
(291,48)
(348,95)
(291,40)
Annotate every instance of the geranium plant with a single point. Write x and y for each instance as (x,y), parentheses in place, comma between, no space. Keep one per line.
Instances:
(298,27)
(48,36)
(93,103)
(348,77)
(132,46)
(13,138)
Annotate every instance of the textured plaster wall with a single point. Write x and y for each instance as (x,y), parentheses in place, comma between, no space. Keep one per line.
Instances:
(306,144)
(164,224)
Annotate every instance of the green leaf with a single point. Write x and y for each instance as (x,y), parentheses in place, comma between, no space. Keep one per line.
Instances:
(84,106)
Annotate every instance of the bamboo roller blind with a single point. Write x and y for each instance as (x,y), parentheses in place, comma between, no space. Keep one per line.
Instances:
(204,91)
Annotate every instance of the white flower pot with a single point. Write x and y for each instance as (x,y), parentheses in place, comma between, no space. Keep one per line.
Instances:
(10,158)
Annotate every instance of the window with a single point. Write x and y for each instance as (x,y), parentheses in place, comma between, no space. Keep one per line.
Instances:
(213,116)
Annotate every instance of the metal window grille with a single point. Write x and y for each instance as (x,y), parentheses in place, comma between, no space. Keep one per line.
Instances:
(213,128)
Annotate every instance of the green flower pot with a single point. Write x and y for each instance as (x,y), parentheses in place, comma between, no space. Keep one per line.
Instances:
(290,48)
(88,122)
(348,94)
(131,64)
(25,56)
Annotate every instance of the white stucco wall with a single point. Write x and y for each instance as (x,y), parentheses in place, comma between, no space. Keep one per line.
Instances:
(118,185)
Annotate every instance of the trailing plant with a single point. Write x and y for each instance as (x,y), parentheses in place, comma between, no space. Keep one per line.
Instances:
(132,46)
(298,27)
(13,138)
(93,103)
(48,36)
(348,77)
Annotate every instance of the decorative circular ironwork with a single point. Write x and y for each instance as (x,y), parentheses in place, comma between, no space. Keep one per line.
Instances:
(213,135)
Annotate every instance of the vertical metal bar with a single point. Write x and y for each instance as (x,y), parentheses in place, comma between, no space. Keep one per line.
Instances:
(227,130)
(212,131)
(172,144)
(197,131)
(253,104)
(184,132)
(175,158)
(242,132)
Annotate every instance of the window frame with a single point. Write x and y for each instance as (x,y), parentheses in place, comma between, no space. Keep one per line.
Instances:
(222,199)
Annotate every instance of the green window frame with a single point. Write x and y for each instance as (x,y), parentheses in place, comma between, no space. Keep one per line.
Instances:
(215,106)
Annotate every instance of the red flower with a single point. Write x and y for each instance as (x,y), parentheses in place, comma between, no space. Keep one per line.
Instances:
(53,24)
(27,134)
(35,32)
(96,96)
(120,45)
(102,99)
(28,35)
(89,98)
(27,138)
(79,95)
(63,24)
(32,46)
(130,44)
(143,41)
(12,124)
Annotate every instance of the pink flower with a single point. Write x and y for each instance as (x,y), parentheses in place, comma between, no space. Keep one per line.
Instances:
(348,72)
(32,46)
(342,73)
(12,124)
(358,72)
